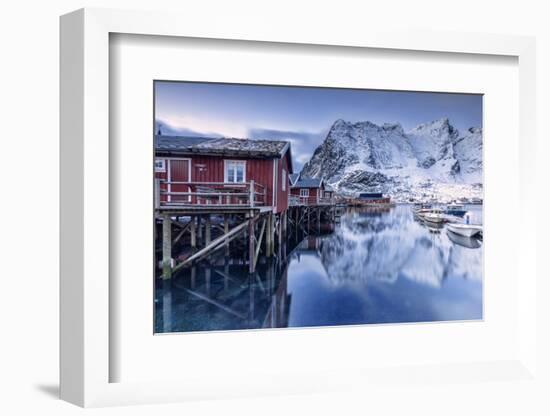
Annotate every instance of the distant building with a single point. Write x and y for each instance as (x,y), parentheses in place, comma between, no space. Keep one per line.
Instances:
(373,198)
(329,191)
(204,171)
(308,191)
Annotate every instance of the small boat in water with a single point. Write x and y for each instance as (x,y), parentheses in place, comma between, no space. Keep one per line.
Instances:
(436,216)
(420,207)
(456,210)
(433,215)
(466,230)
(463,241)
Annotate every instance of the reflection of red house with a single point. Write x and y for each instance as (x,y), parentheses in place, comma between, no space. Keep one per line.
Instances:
(225,172)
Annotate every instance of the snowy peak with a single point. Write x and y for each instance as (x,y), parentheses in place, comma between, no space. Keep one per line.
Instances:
(358,156)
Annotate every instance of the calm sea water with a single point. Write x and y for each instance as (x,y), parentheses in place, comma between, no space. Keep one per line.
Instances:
(376,267)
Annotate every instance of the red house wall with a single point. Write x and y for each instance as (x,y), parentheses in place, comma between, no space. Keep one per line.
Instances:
(311,200)
(211,169)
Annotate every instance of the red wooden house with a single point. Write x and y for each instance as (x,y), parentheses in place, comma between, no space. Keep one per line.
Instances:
(221,171)
(307,191)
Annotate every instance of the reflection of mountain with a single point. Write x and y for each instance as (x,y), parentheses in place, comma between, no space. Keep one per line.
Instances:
(384,248)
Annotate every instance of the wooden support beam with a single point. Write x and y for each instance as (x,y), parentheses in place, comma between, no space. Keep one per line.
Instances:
(280,231)
(208,229)
(214,245)
(193,233)
(251,240)
(166,247)
(259,244)
(183,230)
(225,231)
(269,235)
(199,229)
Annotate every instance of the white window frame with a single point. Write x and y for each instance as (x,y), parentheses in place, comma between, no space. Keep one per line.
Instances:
(225,167)
(284,180)
(304,192)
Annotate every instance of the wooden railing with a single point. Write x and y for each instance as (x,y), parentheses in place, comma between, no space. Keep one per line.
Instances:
(295,200)
(172,194)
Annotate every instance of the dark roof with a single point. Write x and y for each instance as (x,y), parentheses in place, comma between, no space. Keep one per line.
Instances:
(370,195)
(308,183)
(183,145)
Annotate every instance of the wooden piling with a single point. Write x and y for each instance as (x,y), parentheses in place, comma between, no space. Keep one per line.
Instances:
(269,236)
(225,231)
(251,241)
(207,229)
(166,246)
(279,235)
(199,229)
(193,233)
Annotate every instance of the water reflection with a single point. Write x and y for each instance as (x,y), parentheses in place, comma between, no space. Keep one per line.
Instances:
(376,267)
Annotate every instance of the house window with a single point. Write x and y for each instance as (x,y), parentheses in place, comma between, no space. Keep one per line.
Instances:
(283,182)
(304,193)
(160,165)
(235,171)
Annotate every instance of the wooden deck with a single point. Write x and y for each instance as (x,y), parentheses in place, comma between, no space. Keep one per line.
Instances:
(172,195)
(208,217)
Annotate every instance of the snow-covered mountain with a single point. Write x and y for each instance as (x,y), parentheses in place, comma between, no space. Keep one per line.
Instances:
(431,160)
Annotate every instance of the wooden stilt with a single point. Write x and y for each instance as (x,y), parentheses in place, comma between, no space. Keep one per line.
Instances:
(225,231)
(259,241)
(166,247)
(193,233)
(269,235)
(199,229)
(207,229)
(279,236)
(251,241)
(167,306)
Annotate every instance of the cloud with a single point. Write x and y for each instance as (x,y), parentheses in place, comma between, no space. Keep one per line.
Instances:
(209,125)
(303,143)
(170,130)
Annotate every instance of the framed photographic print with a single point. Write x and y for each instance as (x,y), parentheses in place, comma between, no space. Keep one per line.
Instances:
(270,213)
(273,214)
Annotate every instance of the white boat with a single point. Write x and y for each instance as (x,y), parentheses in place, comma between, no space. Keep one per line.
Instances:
(466,230)
(463,241)
(433,215)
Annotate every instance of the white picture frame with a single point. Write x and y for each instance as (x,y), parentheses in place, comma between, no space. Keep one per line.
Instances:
(85,207)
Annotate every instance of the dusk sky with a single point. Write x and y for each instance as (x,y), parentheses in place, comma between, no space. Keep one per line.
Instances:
(300,115)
